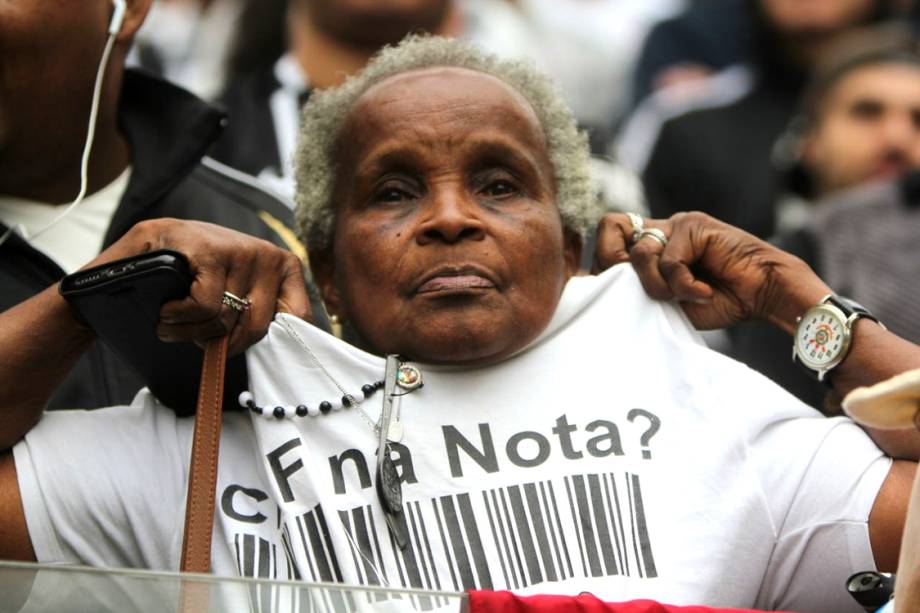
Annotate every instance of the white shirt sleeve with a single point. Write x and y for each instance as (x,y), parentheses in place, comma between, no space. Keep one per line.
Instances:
(106,487)
(819,478)
(823,535)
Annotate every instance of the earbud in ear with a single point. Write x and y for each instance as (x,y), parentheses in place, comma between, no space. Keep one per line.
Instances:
(118,16)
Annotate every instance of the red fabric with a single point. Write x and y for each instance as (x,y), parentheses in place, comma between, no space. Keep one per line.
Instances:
(506,602)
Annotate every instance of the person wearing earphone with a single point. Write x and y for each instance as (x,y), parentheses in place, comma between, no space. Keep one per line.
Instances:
(88,149)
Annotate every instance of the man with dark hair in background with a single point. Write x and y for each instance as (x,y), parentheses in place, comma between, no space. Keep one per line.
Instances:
(146,162)
(706,146)
(856,153)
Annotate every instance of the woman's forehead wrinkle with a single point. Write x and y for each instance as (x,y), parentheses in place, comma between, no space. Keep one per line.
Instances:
(443,109)
(387,156)
(446,89)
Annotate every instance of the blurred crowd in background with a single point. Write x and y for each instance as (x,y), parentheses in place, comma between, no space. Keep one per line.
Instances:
(796,120)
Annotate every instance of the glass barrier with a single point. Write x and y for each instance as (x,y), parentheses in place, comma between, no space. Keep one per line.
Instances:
(29,588)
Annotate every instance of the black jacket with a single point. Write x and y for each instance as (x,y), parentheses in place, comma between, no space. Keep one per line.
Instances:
(250,143)
(168,131)
(718,160)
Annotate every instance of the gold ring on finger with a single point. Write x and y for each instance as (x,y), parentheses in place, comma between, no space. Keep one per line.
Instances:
(655,233)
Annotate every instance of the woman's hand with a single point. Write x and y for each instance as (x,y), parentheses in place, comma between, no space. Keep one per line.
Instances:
(220,260)
(719,273)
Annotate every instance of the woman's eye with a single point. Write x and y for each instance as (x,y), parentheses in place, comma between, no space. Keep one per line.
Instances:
(500,188)
(391,194)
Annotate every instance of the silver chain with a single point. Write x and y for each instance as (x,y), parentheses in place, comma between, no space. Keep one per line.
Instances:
(351,399)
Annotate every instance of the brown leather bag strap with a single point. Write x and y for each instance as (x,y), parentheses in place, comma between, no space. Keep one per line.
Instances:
(202,479)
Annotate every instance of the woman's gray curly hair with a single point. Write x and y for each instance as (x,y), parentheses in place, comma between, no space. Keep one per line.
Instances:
(325,113)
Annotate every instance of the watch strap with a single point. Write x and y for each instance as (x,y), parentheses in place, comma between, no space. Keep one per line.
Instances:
(850,307)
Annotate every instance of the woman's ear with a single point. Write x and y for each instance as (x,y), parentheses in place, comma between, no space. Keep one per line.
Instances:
(322,265)
(572,248)
(135,14)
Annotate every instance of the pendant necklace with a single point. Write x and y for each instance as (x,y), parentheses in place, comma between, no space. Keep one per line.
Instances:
(389,428)
(408,377)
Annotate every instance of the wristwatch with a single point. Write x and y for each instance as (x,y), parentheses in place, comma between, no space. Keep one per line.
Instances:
(824,333)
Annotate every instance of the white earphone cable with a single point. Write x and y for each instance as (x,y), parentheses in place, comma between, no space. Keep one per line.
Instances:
(87,149)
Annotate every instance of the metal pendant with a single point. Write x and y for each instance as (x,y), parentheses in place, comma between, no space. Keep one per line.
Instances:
(388,485)
(389,493)
(408,377)
(395,432)
(398,529)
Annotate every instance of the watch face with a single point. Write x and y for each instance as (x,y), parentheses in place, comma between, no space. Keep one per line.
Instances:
(822,337)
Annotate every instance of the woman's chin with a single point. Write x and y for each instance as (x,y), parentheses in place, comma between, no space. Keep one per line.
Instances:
(463,346)
(468,333)
(464,354)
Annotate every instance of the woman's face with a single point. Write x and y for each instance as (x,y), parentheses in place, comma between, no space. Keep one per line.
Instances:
(448,245)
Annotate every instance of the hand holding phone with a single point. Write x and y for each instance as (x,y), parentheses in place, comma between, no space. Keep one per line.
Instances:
(121,301)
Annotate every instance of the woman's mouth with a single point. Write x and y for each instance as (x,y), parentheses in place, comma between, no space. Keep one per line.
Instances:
(456,279)
(451,284)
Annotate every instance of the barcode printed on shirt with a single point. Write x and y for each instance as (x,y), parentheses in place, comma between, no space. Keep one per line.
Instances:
(611,540)
(257,557)
(261,558)
(372,547)
(510,537)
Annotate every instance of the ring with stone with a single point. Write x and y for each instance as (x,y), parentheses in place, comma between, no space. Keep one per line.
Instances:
(637,225)
(235,302)
(655,233)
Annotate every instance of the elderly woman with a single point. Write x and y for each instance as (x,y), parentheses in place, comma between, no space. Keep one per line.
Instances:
(501,423)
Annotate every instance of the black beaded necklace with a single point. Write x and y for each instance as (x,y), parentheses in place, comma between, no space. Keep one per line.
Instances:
(302,410)
(398,373)
(408,378)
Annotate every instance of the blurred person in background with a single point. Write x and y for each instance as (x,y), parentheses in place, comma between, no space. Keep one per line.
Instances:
(187,42)
(860,117)
(705,38)
(855,155)
(327,40)
(588,47)
(146,162)
(706,145)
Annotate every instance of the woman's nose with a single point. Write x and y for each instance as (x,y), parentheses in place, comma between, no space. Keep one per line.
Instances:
(451,216)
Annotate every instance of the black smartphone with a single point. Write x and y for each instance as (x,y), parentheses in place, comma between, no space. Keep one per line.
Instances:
(121,302)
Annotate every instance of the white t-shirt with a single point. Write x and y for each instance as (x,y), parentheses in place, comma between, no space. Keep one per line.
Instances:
(75,239)
(616,455)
